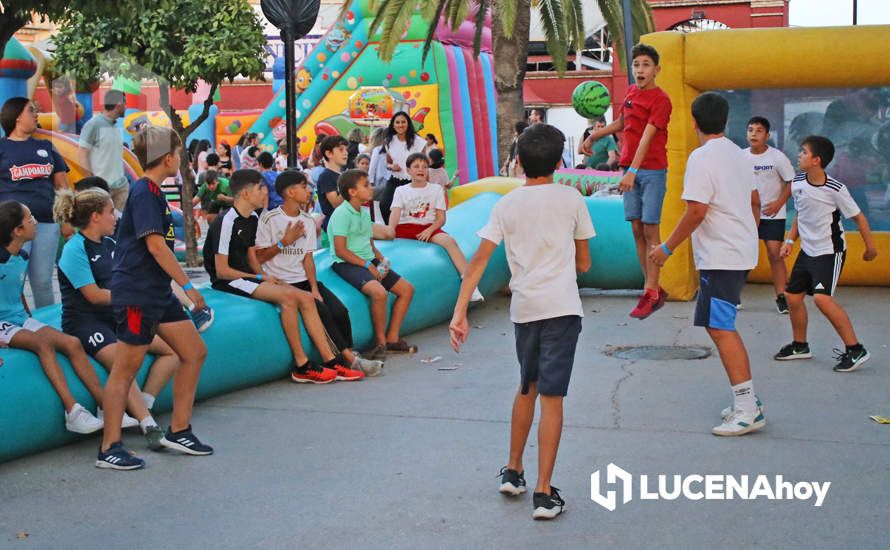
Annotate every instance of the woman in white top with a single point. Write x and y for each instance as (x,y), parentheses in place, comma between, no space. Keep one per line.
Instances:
(401,141)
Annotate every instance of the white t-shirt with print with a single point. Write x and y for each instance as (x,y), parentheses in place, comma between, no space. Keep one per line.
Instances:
(539,225)
(287,265)
(399,151)
(419,204)
(771,170)
(819,210)
(719,175)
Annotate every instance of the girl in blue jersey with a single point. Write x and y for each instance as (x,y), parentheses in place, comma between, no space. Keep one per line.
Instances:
(84,273)
(21,331)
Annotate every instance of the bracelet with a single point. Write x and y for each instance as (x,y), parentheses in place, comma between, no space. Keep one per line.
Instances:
(367,264)
(259,276)
(666,249)
(789,241)
(188,286)
(280,245)
(632,170)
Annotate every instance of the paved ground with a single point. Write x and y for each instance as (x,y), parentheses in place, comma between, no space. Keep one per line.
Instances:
(408,460)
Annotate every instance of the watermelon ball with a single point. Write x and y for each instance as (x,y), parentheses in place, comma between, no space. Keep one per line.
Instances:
(591,99)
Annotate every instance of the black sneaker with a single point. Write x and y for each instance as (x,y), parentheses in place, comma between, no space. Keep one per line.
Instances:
(512,482)
(186,442)
(850,360)
(118,458)
(548,506)
(793,351)
(782,304)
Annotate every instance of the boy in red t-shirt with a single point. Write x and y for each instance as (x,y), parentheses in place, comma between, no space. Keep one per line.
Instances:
(644,118)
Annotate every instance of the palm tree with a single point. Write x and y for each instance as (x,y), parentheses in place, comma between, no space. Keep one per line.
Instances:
(562,21)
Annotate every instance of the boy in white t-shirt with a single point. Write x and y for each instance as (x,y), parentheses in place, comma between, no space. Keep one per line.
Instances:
(820,201)
(545,228)
(772,175)
(721,210)
(418,212)
(285,240)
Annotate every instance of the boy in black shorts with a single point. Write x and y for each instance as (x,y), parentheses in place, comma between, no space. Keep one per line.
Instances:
(545,308)
(231,261)
(144,305)
(360,264)
(820,201)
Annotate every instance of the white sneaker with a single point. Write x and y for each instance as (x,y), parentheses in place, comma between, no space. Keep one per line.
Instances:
(477,296)
(128,422)
(739,423)
(728,410)
(368,366)
(81,421)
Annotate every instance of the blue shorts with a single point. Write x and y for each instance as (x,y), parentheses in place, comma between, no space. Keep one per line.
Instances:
(643,202)
(358,276)
(137,325)
(719,292)
(94,334)
(546,353)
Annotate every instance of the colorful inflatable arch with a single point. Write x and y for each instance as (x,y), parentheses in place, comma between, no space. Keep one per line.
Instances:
(735,60)
(450,96)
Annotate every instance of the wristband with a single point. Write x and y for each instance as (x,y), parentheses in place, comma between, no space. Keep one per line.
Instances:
(368,264)
(789,241)
(280,245)
(666,249)
(632,171)
(188,286)
(259,276)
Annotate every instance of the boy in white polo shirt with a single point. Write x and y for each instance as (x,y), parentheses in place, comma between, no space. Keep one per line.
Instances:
(545,228)
(820,201)
(772,174)
(721,209)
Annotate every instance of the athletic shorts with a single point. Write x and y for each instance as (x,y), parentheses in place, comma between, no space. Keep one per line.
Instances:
(771,230)
(411,230)
(546,353)
(643,202)
(816,274)
(244,287)
(8,329)
(358,276)
(94,334)
(137,325)
(719,294)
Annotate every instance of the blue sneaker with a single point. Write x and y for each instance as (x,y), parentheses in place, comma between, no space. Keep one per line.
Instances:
(185,441)
(202,318)
(118,458)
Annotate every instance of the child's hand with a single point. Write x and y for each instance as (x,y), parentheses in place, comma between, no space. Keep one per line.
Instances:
(627,182)
(425,235)
(196,298)
(459,330)
(293,232)
(375,272)
(870,254)
(785,251)
(657,255)
(773,208)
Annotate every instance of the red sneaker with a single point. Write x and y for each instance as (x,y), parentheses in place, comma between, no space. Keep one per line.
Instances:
(649,303)
(662,298)
(313,374)
(345,373)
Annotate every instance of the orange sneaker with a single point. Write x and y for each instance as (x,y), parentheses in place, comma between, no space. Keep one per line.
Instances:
(348,374)
(650,301)
(310,373)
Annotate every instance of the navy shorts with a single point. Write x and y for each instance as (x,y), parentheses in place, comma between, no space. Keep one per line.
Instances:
(719,293)
(546,353)
(94,334)
(643,202)
(244,286)
(816,274)
(358,276)
(771,230)
(137,325)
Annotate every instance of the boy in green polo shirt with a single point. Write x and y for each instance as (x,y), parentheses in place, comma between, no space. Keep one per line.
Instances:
(359,263)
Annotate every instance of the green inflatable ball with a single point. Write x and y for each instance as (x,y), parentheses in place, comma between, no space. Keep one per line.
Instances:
(591,99)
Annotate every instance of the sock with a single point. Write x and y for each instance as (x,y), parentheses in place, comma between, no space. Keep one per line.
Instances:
(333,362)
(147,423)
(148,399)
(797,344)
(743,397)
(302,368)
(855,347)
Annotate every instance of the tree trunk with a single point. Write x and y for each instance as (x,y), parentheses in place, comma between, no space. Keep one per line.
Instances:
(510,57)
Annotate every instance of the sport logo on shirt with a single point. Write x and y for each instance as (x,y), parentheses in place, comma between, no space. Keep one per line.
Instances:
(30,171)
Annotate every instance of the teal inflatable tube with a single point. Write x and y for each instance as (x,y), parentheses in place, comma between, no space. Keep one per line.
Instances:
(613,255)
(246,345)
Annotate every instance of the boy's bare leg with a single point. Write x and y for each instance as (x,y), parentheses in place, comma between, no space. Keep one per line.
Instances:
(183,337)
(521,424)
(288,313)
(404,291)
(135,405)
(126,364)
(733,354)
(162,369)
(651,270)
(640,243)
(797,310)
(776,266)
(454,252)
(549,433)
(46,353)
(70,346)
(312,321)
(378,295)
(837,317)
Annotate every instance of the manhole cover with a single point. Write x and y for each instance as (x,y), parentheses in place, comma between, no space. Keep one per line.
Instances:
(658,353)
